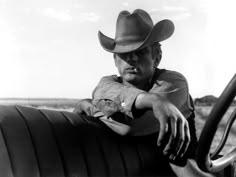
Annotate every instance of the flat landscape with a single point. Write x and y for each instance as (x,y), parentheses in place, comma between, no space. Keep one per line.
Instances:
(202,112)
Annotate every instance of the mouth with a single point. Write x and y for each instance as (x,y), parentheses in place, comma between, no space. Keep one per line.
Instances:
(132,70)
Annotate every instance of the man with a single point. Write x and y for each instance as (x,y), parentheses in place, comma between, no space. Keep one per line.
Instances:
(143,99)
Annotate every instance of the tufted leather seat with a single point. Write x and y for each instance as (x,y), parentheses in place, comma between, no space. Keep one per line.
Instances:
(47,143)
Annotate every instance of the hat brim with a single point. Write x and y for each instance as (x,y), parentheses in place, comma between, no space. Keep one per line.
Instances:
(160,32)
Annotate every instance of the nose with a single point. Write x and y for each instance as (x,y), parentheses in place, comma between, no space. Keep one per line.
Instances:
(131,58)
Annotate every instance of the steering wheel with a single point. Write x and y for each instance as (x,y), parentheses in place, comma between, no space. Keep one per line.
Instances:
(203,157)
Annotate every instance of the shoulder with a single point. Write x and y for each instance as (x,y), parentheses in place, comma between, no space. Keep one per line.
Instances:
(172,77)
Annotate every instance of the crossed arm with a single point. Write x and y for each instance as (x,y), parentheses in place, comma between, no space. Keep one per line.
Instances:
(127,99)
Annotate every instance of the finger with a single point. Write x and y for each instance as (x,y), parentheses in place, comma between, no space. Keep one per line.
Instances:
(88,111)
(181,136)
(162,132)
(78,110)
(187,140)
(172,139)
(87,107)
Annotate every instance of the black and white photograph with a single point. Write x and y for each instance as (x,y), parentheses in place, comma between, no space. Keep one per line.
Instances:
(117,88)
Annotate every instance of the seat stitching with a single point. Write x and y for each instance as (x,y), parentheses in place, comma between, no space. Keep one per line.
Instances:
(80,145)
(31,137)
(68,120)
(9,154)
(85,120)
(65,170)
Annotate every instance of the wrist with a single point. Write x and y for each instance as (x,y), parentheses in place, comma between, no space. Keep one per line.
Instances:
(147,100)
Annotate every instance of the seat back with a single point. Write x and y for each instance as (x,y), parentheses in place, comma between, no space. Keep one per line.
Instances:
(47,143)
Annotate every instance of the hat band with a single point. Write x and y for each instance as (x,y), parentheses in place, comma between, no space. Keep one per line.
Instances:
(128,39)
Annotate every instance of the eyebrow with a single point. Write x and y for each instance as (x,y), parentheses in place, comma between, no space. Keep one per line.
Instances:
(143,50)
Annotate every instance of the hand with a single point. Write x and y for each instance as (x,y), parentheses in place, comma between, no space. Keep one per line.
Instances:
(84,107)
(174,128)
(174,125)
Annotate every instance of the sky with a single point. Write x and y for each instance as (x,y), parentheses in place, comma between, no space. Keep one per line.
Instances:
(50,48)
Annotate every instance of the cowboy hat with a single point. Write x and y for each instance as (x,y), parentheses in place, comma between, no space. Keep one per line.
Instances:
(136,31)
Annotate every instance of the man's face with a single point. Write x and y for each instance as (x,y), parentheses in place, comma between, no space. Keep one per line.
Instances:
(135,67)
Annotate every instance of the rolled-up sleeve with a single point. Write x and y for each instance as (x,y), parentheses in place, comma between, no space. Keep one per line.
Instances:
(110,96)
(174,86)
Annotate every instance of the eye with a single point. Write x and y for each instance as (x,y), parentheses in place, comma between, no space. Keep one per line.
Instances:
(141,52)
(122,55)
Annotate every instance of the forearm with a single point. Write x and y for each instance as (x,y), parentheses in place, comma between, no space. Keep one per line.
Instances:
(162,108)
(147,100)
(110,88)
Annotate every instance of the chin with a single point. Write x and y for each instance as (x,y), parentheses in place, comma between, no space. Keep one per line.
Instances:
(134,81)
(130,78)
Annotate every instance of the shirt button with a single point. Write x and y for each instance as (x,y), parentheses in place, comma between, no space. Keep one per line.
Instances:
(123,104)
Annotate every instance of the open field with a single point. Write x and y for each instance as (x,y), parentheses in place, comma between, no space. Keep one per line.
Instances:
(202,113)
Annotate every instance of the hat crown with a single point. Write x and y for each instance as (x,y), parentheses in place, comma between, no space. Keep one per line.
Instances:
(133,27)
(136,31)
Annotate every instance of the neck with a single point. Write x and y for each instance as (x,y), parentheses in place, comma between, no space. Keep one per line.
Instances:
(143,85)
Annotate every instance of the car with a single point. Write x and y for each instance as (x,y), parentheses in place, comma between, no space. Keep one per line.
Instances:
(40,142)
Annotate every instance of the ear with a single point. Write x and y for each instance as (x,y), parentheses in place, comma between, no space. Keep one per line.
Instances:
(156,55)
(157,60)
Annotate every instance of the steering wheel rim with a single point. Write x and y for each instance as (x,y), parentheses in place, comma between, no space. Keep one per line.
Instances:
(203,156)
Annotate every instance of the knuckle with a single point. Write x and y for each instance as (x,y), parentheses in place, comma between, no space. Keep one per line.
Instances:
(172,136)
(187,139)
(181,121)
(162,127)
(174,117)
(182,139)
(186,146)
(186,124)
